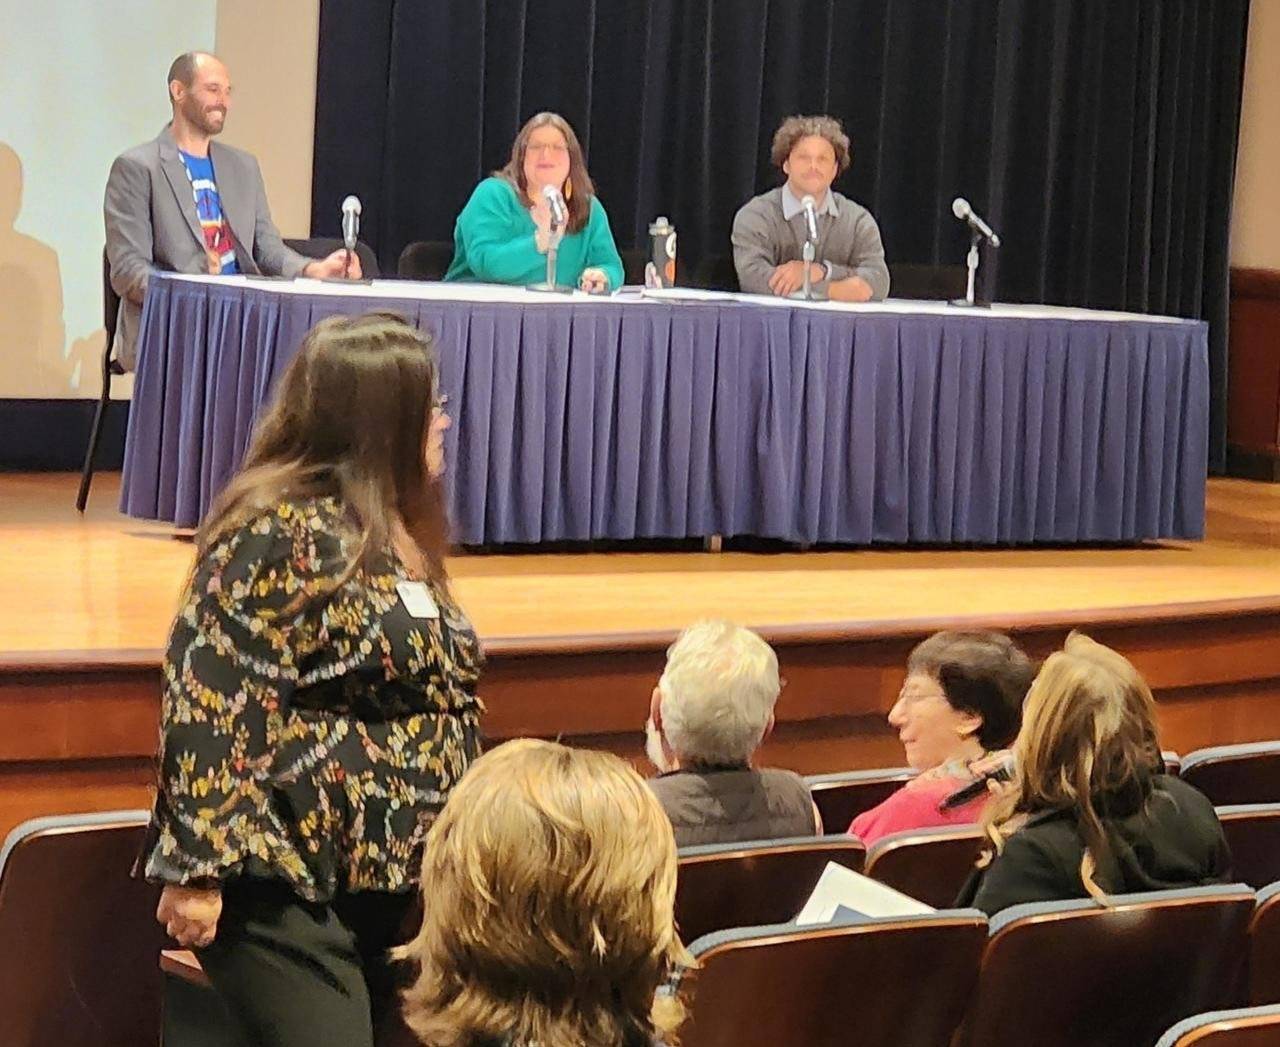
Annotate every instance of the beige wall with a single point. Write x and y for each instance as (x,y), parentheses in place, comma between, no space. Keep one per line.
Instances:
(1255,224)
(270,47)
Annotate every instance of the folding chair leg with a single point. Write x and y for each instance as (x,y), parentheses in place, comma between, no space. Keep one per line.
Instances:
(95,434)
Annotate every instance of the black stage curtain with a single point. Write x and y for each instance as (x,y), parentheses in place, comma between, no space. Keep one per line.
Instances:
(1097,136)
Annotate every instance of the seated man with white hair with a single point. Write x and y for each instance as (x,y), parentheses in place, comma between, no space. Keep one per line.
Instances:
(710,712)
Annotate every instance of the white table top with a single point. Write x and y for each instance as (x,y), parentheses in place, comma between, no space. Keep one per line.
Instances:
(472,292)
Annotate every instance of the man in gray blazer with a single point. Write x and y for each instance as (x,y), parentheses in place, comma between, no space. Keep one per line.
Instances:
(187,205)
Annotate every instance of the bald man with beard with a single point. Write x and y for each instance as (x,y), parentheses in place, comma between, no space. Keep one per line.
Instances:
(183,203)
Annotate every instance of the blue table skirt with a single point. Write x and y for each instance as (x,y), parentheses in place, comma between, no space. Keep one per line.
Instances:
(621,420)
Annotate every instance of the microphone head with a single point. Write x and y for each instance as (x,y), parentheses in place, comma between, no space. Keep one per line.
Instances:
(351,205)
(960,207)
(807,201)
(555,201)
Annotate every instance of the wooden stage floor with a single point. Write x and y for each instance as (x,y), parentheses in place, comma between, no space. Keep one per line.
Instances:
(574,642)
(103,584)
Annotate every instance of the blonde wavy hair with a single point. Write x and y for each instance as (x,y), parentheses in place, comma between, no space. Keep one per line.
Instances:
(549,886)
(1088,741)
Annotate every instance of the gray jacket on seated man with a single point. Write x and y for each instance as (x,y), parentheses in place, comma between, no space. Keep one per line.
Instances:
(769,231)
(710,712)
(185,204)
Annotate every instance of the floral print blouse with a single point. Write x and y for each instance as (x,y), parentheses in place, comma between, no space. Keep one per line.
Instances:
(309,733)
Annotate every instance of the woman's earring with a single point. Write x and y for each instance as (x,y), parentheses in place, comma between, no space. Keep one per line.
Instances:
(568,189)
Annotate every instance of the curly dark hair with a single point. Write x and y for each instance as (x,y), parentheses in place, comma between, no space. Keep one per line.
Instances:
(795,128)
(980,672)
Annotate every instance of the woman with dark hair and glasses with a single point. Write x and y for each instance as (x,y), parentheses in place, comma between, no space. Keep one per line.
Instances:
(960,702)
(503,234)
(319,694)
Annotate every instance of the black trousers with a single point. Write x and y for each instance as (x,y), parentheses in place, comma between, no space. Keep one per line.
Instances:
(297,974)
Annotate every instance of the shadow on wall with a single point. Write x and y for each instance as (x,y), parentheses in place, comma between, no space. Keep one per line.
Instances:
(34,357)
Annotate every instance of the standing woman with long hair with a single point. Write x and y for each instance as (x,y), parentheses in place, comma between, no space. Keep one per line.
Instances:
(1090,812)
(319,694)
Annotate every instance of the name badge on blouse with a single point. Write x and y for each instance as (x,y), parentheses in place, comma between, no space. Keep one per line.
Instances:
(417,600)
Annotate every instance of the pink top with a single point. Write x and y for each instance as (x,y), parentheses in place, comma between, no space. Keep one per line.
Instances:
(916,807)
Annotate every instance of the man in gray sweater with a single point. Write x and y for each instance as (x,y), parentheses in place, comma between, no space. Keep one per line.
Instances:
(709,714)
(769,231)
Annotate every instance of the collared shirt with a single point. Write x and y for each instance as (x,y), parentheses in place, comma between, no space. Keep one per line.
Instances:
(791,205)
(769,231)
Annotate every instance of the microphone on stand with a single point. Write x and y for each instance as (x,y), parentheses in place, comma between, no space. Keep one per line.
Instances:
(350,227)
(1003,772)
(559,221)
(961,209)
(559,213)
(810,215)
(810,242)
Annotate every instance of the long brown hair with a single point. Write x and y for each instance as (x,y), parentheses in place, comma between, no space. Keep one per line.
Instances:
(549,913)
(349,419)
(577,196)
(1088,745)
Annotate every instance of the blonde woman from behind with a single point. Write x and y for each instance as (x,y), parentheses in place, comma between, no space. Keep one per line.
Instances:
(549,887)
(1090,811)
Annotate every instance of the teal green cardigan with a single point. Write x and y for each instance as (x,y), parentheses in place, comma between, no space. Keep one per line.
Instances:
(494,242)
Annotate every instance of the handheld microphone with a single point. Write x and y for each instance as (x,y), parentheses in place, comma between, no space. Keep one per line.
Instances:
(1001,773)
(350,222)
(559,214)
(961,209)
(810,216)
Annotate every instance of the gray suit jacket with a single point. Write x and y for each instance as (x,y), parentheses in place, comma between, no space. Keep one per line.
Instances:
(152,224)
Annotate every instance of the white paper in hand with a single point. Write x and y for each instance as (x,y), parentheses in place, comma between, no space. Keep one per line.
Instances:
(840,886)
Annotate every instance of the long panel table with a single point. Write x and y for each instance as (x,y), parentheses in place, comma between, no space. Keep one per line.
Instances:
(684,414)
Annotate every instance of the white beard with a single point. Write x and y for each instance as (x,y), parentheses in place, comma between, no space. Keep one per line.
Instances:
(653,748)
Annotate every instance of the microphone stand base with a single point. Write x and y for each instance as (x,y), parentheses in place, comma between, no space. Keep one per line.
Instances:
(345,280)
(549,288)
(965,303)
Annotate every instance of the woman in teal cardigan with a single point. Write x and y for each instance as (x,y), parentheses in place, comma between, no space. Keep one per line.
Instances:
(503,233)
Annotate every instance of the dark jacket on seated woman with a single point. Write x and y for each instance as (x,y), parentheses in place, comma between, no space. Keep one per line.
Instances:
(1173,839)
(1090,812)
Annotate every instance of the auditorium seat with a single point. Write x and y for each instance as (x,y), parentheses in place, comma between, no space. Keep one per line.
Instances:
(930,865)
(1235,773)
(323,246)
(1253,834)
(1264,947)
(1172,762)
(1062,974)
(900,981)
(757,882)
(844,795)
(78,935)
(425,260)
(1243,1027)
